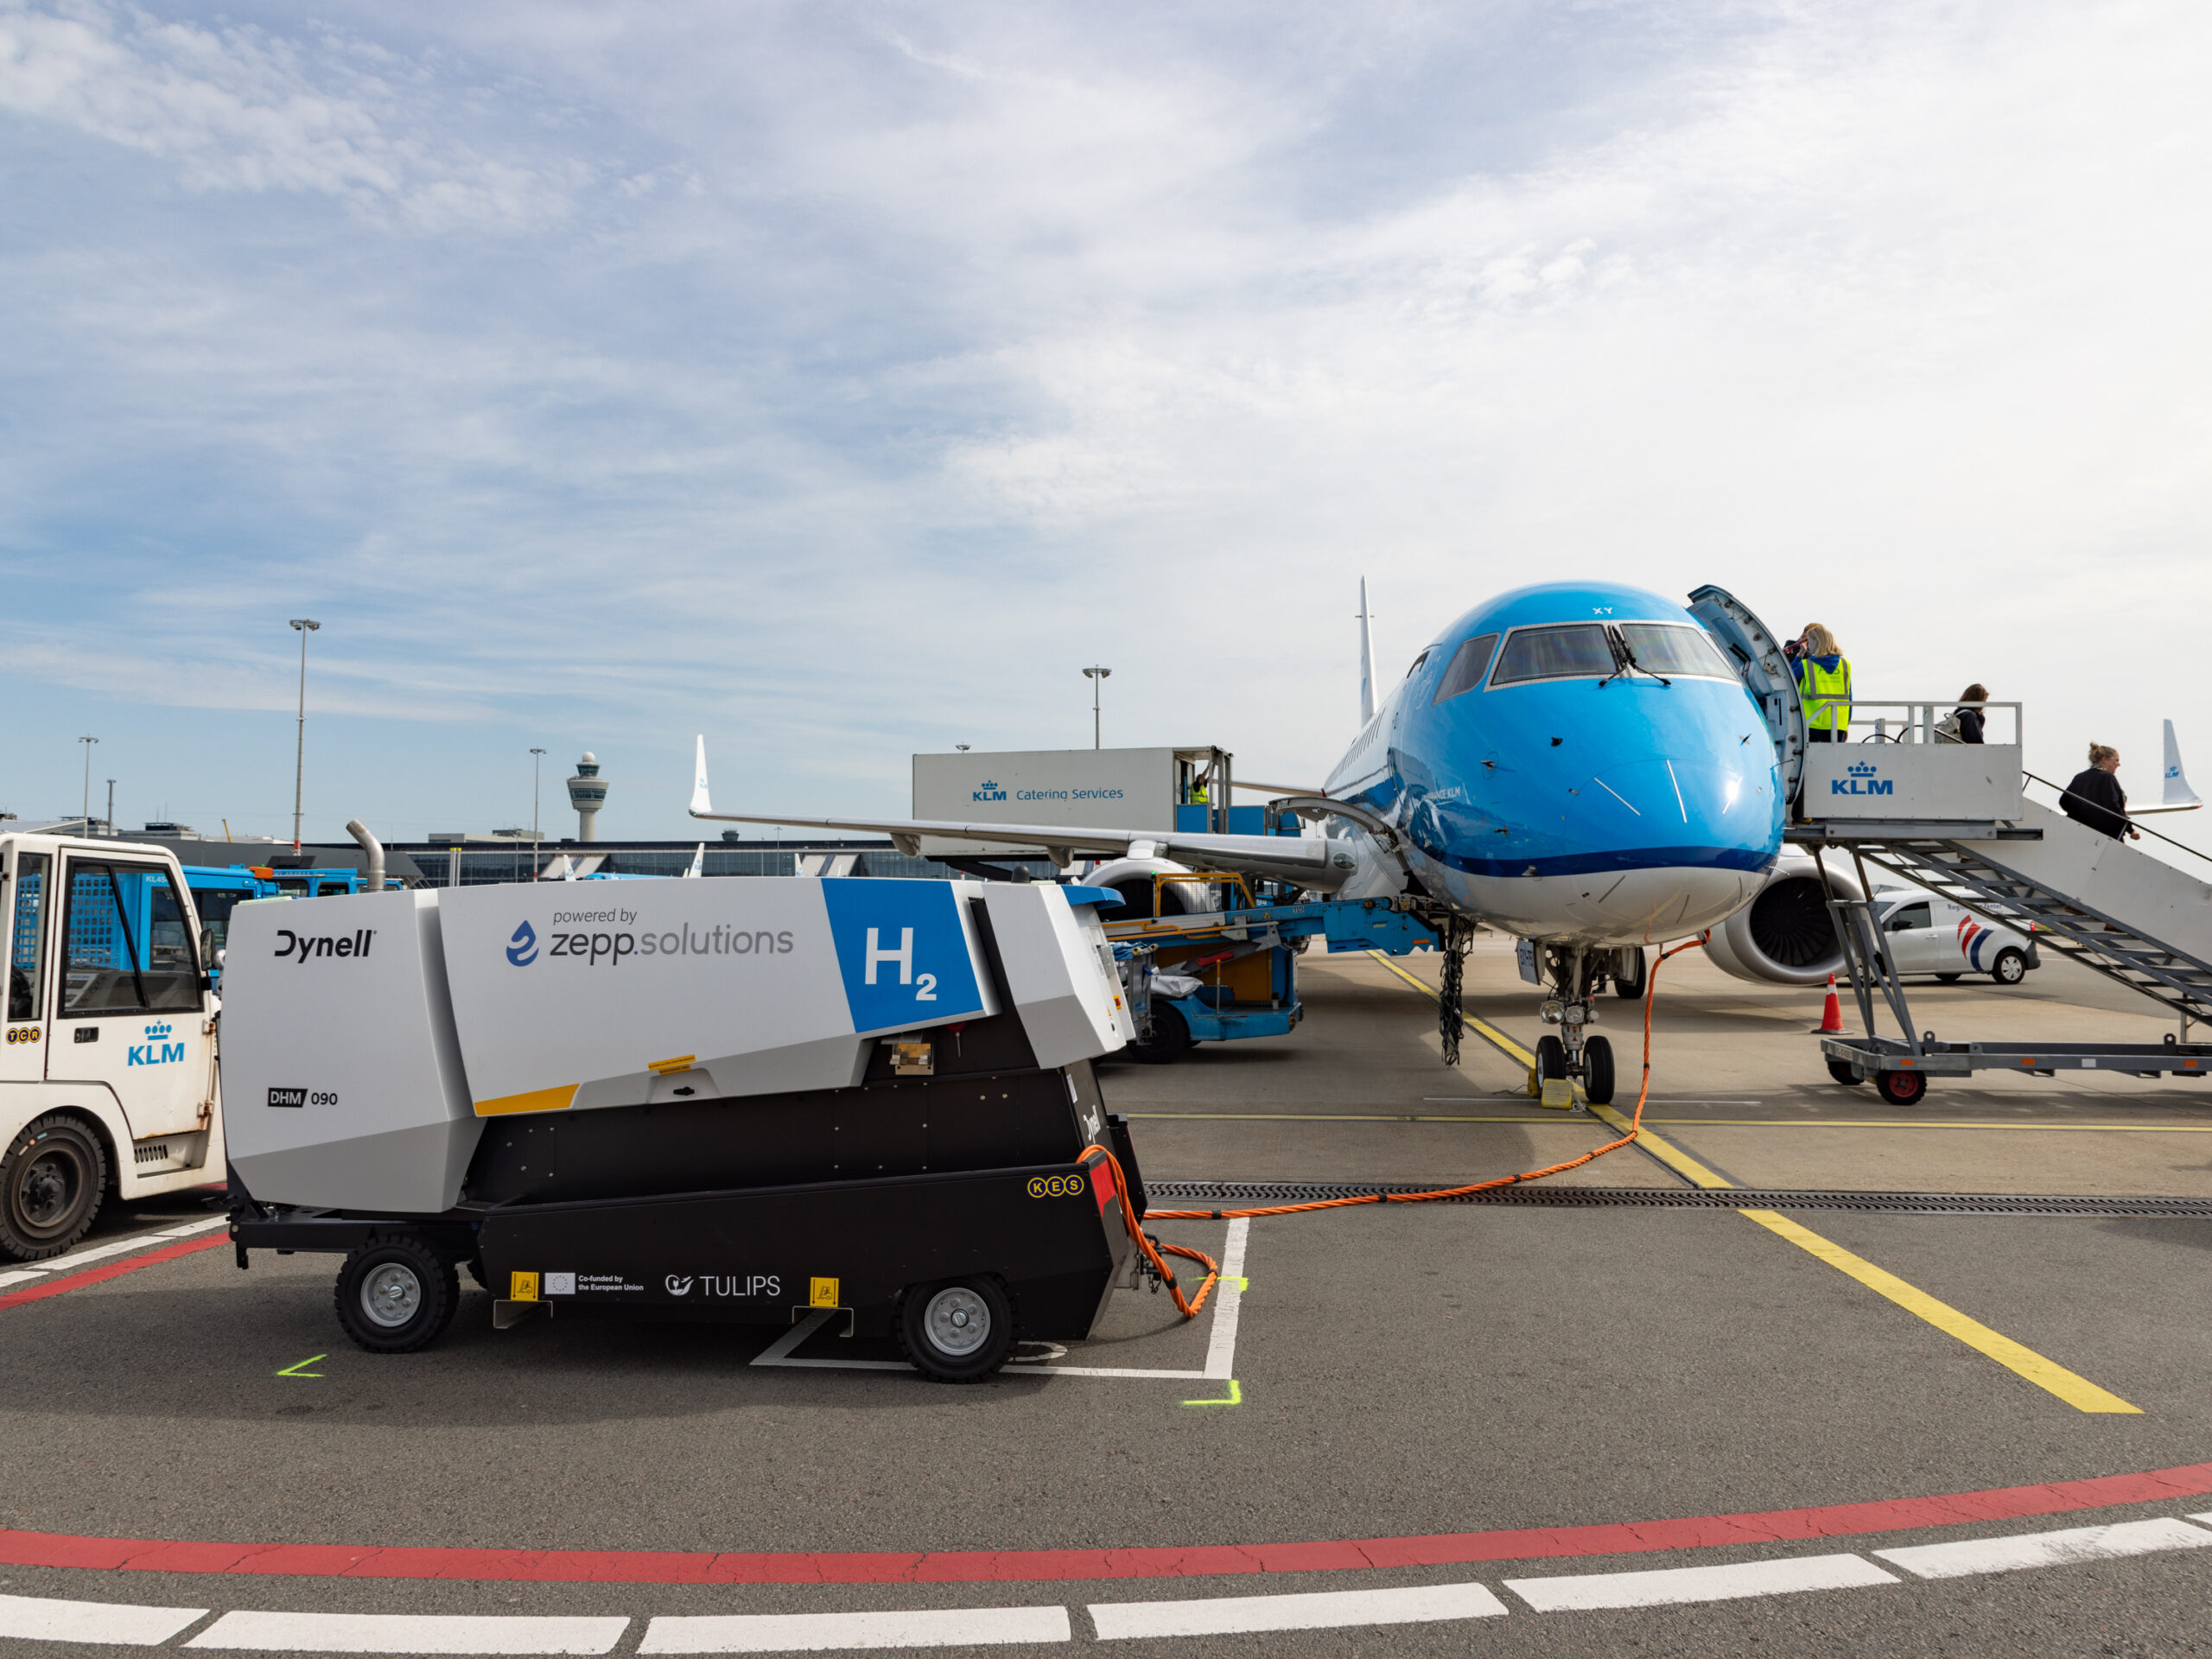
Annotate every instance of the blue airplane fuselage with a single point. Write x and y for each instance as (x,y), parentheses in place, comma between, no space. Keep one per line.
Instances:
(1555,796)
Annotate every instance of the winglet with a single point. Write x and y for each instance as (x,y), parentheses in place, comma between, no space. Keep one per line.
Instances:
(700,804)
(2178,795)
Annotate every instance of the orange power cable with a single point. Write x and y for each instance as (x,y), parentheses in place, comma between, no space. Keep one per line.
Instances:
(1189,1307)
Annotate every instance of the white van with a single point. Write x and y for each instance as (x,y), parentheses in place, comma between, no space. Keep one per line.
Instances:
(1922,934)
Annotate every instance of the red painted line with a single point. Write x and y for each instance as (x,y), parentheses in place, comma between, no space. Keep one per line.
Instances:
(1034,1566)
(108,1270)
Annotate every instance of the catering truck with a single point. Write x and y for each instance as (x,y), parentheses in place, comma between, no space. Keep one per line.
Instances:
(734,1101)
(107,1077)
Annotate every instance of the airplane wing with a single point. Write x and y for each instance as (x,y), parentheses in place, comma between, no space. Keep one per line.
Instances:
(1315,862)
(2178,797)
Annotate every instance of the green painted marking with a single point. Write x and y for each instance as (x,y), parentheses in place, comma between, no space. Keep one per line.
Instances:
(1235,1397)
(294,1371)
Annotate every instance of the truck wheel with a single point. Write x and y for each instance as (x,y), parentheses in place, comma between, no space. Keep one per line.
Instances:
(1170,1038)
(50,1187)
(1598,1072)
(1551,1059)
(2009,968)
(1902,1088)
(1842,1072)
(396,1295)
(957,1331)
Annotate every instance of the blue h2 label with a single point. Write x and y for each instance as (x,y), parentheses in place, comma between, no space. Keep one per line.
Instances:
(901,951)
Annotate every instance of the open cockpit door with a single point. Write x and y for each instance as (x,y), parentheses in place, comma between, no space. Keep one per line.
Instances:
(1755,652)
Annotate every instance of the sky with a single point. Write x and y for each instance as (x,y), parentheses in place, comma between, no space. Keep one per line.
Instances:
(837,381)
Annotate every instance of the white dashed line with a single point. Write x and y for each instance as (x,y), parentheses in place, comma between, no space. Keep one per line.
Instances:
(39,1619)
(409,1633)
(960,1627)
(1672,1586)
(1228,1615)
(1974,1555)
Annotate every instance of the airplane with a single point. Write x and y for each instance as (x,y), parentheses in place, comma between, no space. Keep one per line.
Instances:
(1580,764)
(2176,796)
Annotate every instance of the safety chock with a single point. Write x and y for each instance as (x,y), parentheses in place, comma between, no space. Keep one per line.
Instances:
(1558,1095)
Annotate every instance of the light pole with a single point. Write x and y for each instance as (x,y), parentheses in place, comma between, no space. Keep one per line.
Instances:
(536,761)
(88,742)
(303,626)
(1095,675)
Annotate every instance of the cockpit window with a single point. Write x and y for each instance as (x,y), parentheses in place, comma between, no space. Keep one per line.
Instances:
(1670,648)
(1468,665)
(1573,651)
(1418,661)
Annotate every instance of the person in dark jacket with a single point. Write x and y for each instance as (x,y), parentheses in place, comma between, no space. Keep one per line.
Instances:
(2095,798)
(1969,712)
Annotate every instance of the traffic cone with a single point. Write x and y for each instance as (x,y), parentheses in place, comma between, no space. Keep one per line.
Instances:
(1832,1015)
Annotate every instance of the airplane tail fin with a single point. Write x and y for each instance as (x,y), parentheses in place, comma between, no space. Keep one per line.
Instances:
(2178,795)
(1366,661)
(699,803)
(698,861)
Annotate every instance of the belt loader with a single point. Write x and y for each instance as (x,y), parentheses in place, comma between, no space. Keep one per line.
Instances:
(734,1101)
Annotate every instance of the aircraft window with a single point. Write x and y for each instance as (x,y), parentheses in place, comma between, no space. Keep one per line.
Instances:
(1670,648)
(1573,650)
(1418,661)
(1469,664)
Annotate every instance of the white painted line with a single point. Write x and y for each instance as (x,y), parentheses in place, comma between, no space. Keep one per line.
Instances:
(409,1633)
(1229,1299)
(1329,1610)
(779,1351)
(1671,1586)
(190,1228)
(1974,1556)
(63,1263)
(37,1619)
(18,1276)
(957,1627)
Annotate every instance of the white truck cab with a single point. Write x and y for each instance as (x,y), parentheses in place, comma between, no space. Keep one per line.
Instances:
(107,1075)
(1924,934)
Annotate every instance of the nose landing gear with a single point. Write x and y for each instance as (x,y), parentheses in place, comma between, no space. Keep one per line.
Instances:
(1577,974)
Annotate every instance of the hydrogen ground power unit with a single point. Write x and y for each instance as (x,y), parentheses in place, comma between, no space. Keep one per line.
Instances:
(738,1100)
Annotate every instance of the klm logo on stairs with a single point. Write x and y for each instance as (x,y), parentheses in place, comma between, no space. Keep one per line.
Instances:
(1862,781)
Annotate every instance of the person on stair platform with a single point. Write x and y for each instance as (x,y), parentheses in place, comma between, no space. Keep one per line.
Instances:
(1824,685)
(2095,798)
(1964,723)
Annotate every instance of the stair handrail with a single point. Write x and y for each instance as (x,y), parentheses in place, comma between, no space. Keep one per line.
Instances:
(2144,828)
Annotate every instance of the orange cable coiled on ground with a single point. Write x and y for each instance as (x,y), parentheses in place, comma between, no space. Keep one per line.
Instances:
(1189,1307)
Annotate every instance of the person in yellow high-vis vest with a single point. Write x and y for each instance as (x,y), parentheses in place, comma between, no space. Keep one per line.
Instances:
(1824,686)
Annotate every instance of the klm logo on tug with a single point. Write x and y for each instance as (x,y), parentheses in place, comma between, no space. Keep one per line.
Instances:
(1862,781)
(157,1051)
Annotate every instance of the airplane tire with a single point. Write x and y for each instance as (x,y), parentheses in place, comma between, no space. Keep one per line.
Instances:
(2009,968)
(1902,1088)
(1628,988)
(1842,1072)
(1170,1038)
(1551,1058)
(1598,1072)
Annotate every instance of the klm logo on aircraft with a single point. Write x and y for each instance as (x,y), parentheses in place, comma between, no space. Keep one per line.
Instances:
(989,792)
(157,1050)
(1862,781)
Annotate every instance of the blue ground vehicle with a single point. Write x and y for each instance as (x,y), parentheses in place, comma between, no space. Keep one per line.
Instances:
(216,892)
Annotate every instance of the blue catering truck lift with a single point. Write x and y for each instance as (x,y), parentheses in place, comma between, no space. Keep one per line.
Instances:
(1231,972)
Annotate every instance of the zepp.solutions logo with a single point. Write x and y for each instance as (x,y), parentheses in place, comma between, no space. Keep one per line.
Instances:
(524,949)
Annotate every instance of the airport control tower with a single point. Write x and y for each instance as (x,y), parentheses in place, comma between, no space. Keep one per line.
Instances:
(588,793)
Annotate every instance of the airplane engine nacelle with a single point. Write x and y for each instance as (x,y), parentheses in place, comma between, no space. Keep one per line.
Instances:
(1784,936)
(1133,879)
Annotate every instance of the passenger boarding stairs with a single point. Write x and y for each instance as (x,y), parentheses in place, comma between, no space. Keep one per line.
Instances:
(2101,902)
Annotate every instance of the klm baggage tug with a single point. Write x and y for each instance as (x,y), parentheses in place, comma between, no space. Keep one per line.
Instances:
(737,1099)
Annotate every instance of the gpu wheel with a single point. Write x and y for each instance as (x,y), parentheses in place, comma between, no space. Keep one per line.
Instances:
(957,1331)
(395,1295)
(1842,1072)
(1169,1040)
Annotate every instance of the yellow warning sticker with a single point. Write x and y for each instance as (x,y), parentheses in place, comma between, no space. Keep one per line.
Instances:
(822,1293)
(522,1286)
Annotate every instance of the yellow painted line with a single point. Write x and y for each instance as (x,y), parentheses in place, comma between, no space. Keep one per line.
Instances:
(1489,1032)
(2077,1391)
(1335,1117)
(1877,1124)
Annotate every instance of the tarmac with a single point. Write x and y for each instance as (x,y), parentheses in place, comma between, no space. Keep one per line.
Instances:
(1428,1428)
